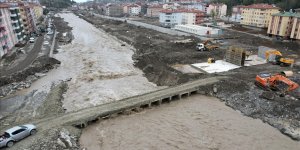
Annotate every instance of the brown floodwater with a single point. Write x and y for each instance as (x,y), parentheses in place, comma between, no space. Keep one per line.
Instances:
(197,122)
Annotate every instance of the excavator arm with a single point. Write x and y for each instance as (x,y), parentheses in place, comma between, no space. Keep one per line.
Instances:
(279,82)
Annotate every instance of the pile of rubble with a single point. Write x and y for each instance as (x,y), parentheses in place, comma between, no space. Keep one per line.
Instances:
(23,79)
(13,87)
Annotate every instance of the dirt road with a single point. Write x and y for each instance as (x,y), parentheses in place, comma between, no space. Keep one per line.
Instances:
(198,122)
(27,61)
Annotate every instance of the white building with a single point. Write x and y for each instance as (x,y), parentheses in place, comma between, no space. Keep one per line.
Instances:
(132,9)
(198,6)
(218,9)
(198,30)
(170,18)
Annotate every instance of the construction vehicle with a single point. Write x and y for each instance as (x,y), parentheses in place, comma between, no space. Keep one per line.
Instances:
(275,57)
(211,60)
(206,46)
(277,82)
(282,61)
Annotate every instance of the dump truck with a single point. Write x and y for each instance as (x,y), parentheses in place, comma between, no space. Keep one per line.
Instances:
(206,46)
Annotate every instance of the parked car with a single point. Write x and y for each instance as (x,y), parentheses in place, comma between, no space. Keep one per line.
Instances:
(50,33)
(15,134)
(46,43)
(31,40)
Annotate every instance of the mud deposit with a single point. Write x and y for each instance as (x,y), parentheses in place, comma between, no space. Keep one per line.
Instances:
(156,53)
(198,122)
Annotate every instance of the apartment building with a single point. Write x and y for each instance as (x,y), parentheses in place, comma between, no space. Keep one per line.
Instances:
(114,10)
(132,9)
(38,10)
(154,10)
(281,24)
(15,17)
(295,33)
(218,9)
(236,15)
(7,36)
(258,15)
(197,6)
(26,18)
(170,18)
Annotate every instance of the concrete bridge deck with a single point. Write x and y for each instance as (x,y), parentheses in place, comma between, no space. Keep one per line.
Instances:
(82,117)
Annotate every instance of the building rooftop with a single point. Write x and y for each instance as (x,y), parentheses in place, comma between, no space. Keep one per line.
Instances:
(261,6)
(181,10)
(217,4)
(287,14)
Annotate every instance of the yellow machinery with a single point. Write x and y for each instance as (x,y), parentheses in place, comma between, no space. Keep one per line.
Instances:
(211,60)
(275,57)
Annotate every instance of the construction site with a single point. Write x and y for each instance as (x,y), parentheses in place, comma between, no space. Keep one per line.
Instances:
(111,84)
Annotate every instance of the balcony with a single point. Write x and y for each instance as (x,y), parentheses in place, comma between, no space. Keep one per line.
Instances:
(16,27)
(13,15)
(14,21)
(13,8)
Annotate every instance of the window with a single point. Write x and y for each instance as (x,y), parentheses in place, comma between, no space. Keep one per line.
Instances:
(18,131)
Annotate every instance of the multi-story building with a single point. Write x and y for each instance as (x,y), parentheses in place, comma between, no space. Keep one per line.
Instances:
(236,15)
(153,11)
(7,37)
(192,17)
(285,25)
(197,6)
(38,10)
(113,10)
(170,18)
(295,33)
(258,15)
(281,24)
(26,18)
(132,9)
(216,9)
(16,21)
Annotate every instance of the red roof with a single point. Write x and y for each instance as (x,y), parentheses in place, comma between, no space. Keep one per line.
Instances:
(181,11)
(261,6)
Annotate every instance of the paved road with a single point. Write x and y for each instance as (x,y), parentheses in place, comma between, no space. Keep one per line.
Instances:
(31,56)
(88,114)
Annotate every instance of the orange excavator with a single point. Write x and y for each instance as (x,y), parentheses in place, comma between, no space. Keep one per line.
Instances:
(277,82)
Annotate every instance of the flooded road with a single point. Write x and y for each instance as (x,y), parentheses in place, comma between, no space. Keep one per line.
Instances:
(198,122)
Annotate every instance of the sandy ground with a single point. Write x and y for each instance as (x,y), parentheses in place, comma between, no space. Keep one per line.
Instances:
(198,122)
(101,69)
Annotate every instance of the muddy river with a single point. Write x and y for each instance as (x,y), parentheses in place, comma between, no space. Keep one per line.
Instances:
(198,122)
